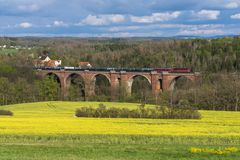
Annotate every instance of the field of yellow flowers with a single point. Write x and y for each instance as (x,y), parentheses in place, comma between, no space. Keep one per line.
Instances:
(40,125)
(58,118)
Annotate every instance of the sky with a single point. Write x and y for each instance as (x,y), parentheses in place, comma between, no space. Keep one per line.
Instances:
(119,18)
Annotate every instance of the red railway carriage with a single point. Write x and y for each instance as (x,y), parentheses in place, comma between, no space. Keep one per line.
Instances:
(181,70)
(173,70)
(159,70)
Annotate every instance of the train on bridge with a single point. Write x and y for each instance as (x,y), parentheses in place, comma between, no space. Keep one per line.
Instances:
(45,63)
(158,70)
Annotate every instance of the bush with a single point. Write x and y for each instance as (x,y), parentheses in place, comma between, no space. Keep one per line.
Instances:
(6,113)
(85,112)
(186,110)
(182,111)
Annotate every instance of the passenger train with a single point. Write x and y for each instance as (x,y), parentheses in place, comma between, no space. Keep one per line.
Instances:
(158,70)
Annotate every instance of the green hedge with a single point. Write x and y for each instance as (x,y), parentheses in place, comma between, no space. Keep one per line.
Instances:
(6,113)
(141,112)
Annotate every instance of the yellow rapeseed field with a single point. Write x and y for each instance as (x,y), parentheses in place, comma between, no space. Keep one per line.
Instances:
(227,150)
(57,118)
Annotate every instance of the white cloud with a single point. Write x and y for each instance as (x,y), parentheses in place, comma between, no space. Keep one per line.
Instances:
(131,34)
(25,25)
(156,17)
(208,14)
(29,7)
(59,24)
(48,25)
(123,28)
(201,32)
(232,5)
(235,16)
(154,27)
(203,29)
(103,19)
(128,34)
(25,5)
(192,26)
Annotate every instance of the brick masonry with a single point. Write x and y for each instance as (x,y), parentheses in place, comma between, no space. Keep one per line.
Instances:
(159,81)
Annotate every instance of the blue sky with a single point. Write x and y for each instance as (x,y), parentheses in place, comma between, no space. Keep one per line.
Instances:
(119,18)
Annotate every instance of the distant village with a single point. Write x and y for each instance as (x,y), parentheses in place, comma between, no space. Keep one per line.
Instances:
(15,47)
(45,61)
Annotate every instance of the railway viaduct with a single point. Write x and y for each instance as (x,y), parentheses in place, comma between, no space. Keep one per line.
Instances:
(159,81)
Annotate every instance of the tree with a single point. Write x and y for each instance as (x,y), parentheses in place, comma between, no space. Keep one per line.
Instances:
(6,91)
(48,88)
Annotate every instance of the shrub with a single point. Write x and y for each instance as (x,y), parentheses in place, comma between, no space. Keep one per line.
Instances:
(182,111)
(85,112)
(186,110)
(6,113)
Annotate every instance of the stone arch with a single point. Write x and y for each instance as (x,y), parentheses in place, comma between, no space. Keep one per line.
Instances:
(75,86)
(101,84)
(131,81)
(173,82)
(101,74)
(54,75)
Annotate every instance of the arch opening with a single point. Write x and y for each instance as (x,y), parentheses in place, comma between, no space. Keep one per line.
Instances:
(102,85)
(160,84)
(75,87)
(54,77)
(141,87)
(180,83)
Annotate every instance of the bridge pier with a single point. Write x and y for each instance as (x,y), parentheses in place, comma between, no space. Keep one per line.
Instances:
(114,84)
(155,83)
(63,83)
(125,82)
(89,84)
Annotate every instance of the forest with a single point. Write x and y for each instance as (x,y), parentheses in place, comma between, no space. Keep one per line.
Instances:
(218,61)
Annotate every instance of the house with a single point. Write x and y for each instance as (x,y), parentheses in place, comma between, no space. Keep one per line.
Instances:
(53,63)
(44,58)
(45,61)
(85,65)
(38,63)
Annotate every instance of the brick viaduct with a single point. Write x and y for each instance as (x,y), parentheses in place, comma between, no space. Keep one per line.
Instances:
(159,81)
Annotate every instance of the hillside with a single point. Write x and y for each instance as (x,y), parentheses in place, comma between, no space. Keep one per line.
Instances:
(216,59)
